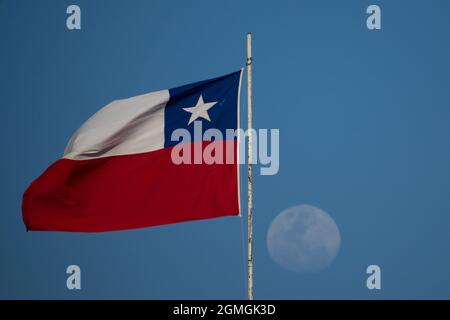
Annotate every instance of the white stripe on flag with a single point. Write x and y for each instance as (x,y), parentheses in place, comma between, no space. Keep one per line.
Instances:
(127,126)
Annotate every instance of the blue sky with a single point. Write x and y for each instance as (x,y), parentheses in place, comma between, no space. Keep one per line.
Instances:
(364,128)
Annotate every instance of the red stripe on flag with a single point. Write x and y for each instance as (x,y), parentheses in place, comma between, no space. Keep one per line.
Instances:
(128,192)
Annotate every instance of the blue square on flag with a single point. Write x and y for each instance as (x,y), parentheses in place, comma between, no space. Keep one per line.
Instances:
(214,102)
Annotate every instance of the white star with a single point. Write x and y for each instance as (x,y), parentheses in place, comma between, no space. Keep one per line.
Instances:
(200,110)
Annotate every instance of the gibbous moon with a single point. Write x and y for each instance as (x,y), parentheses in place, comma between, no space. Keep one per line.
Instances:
(303,239)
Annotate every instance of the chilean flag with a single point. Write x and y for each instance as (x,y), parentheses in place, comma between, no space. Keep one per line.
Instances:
(118,173)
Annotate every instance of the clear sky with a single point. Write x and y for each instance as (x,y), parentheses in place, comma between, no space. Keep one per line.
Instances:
(364,119)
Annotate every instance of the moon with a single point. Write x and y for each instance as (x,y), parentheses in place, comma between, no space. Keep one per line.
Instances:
(303,239)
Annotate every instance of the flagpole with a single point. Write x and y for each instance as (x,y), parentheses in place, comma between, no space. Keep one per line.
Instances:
(249,172)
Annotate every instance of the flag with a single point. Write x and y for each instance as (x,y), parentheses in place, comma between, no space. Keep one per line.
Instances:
(128,167)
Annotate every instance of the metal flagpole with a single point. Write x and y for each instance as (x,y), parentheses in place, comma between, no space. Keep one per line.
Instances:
(249,172)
